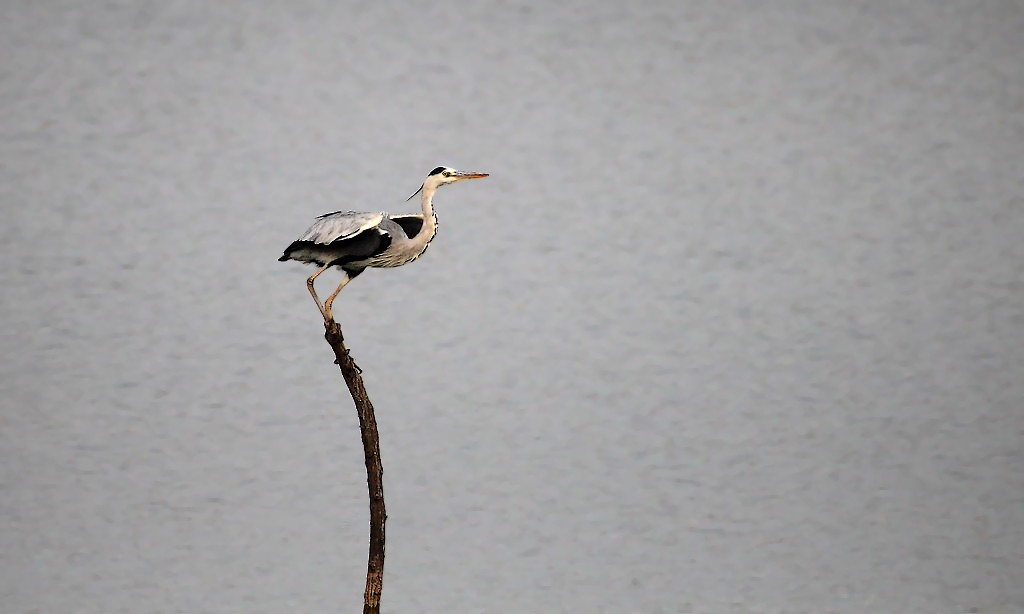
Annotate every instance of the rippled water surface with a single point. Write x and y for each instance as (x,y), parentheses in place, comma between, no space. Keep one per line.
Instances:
(735,325)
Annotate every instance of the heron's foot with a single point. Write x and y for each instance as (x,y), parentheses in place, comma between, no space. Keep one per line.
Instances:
(333,329)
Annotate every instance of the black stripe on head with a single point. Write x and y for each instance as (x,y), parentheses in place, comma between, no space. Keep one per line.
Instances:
(437,170)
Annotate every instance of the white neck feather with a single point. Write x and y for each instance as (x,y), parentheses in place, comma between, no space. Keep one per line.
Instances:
(429,229)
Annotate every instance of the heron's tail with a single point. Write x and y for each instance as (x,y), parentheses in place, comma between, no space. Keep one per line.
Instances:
(287,255)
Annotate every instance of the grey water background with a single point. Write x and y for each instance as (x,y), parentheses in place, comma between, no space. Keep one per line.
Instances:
(736,324)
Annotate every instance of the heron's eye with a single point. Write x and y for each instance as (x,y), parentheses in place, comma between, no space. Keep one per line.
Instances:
(447,173)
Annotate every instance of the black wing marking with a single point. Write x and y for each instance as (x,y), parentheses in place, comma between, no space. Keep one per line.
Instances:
(411,224)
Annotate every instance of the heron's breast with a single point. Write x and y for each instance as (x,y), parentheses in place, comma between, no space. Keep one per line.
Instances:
(388,261)
(406,252)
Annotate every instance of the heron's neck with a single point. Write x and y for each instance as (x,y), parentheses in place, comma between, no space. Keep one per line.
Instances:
(429,217)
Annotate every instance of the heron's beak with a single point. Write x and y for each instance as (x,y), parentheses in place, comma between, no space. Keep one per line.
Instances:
(460,175)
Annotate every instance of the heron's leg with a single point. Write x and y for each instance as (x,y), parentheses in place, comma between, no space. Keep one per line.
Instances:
(330,299)
(312,290)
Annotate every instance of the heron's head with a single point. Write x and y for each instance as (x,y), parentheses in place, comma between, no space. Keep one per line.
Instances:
(443,175)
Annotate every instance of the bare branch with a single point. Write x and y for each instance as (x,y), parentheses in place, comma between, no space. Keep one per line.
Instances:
(374,470)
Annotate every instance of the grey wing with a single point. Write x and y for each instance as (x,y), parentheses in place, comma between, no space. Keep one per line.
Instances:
(340,225)
(342,235)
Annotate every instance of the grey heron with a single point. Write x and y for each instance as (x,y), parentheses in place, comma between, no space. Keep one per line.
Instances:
(356,240)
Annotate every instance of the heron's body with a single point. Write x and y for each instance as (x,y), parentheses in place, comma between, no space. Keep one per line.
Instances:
(355,241)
